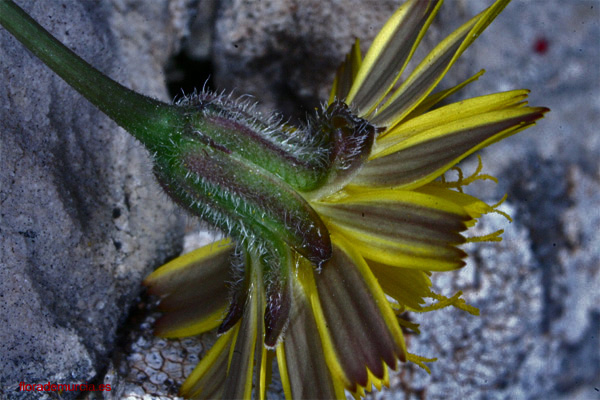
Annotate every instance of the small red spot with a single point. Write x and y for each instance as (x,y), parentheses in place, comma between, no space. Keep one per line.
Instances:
(541,45)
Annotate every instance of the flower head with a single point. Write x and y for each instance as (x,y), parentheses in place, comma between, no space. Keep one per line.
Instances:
(336,225)
(391,216)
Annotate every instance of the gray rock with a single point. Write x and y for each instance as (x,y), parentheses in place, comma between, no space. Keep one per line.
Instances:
(199,43)
(285,53)
(82,220)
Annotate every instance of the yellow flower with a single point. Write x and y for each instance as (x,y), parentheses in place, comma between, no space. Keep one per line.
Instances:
(392,217)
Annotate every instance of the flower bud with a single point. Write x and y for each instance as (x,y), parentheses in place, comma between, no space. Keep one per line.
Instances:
(235,172)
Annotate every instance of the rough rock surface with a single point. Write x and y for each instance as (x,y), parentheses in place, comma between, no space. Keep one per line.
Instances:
(290,47)
(285,52)
(538,333)
(82,220)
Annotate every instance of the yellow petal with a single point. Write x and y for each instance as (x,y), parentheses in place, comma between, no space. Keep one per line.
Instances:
(208,378)
(238,384)
(423,157)
(301,358)
(357,326)
(452,113)
(407,286)
(400,228)
(472,205)
(433,68)
(193,289)
(391,50)
(401,254)
(264,371)
(346,74)
(398,215)
(435,98)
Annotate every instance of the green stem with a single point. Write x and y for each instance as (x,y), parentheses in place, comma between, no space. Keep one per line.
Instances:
(149,120)
(217,167)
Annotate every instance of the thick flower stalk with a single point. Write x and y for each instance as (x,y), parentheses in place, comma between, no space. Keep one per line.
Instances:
(334,227)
